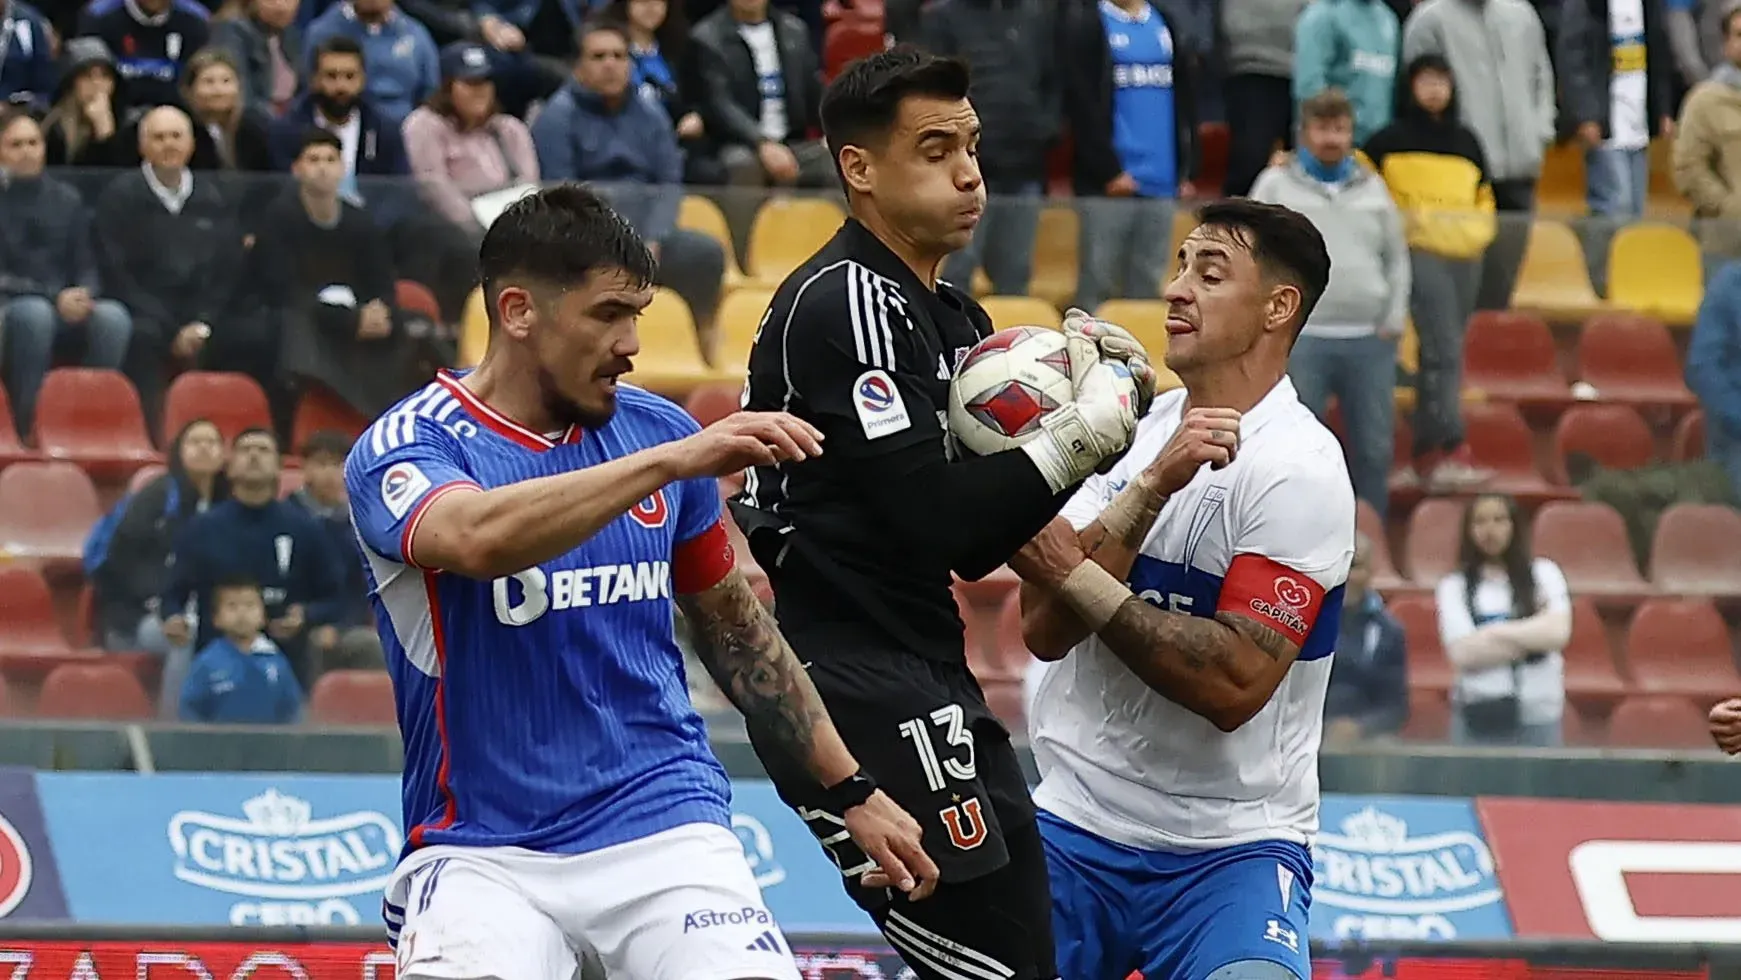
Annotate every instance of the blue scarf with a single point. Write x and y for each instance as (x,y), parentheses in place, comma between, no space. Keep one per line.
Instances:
(1320,171)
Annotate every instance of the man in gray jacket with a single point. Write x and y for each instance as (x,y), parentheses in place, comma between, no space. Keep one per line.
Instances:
(1256,38)
(1348,345)
(1505,92)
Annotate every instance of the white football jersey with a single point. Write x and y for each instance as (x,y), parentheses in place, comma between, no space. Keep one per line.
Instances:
(1270,536)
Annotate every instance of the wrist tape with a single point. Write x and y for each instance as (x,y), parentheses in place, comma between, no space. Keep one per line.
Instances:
(1094,594)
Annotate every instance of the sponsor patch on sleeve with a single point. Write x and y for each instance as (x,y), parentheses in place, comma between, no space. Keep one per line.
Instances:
(881,412)
(401,486)
(1273,594)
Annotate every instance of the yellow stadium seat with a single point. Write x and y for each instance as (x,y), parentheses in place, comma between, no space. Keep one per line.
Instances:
(1408,347)
(1560,189)
(700,214)
(787,231)
(1656,269)
(1021,311)
(740,316)
(1146,319)
(1664,199)
(1055,256)
(1184,221)
(474,329)
(670,359)
(1555,280)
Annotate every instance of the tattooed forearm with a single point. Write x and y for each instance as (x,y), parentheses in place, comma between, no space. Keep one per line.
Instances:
(1223,668)
(1263,637)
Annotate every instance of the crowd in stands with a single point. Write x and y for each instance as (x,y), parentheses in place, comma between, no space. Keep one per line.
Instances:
(293,190)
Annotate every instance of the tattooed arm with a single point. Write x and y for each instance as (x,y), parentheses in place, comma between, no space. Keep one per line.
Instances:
(737,640)
(1224,669)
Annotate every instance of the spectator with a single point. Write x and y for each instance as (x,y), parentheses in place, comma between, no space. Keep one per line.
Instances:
(1505,87)
(1348,345)
(229,134)
(267,47)
(1503,618)
(1695,33)
(128,577)
(462,145)
(350,641)
(399,56)
(169,248)
(1613,63)
(1714,370)
(240,677)
(83,128)
(761,95)
(252,534)
(1257,53)
(1434,168)
(599,129)
(1132,111)
(659,45)
(1012,48)
(48,273)
(27,69)
(335,101)
(151,39)
(1707,149)
(1349,45)
(1369,692)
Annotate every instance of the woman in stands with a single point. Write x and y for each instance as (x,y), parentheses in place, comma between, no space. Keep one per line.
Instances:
(1503,618)
(130,569)
(83,128)
(229,133)
(658,42)
(462,145)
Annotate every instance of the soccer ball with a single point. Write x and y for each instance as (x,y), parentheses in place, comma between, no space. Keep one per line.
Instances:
(1004,385)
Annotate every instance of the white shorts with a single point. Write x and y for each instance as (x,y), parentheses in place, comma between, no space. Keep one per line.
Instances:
(679,905)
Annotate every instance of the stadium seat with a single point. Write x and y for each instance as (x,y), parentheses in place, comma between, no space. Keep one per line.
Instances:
(1384,575)
(1578,729)
(1680,646)
(353,697)
(1214,140)
(786,232)
(1612,435)
(1591,677)
(670,358)
(1554,280)
(27,621)
(1055,256)
(1656,269)
(144,475)
(1632,359)
(233,402)
(1512,357)
(1689,437)
(289,481)
(1499,438)
(712,402)
(1146,319)
(1649,721)
(978,639)
(1020,311)
(1588,542)
(1005,699)
(10,705)
(700,214)
(1010,648)
(411,296)
(92,417)
(1696,550)
(46,510)
(1428,669)
(740,316)
(96,690)
(848,40)
(1429,716)
(989,591)
(319,410)
(474,329)
(1431,546)
(11,449)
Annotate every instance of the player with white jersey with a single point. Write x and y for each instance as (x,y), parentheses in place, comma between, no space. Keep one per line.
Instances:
(527,528)
(1191,611)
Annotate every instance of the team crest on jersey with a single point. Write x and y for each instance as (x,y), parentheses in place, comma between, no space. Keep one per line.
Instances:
(652,512)
(401,485)
(965,822)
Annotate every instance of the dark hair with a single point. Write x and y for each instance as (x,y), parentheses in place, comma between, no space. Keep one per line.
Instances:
(1519,564)
(863,101)
(560,235)
(672,36)
(327,442)
(255,430)
(339,44)
(235,580)
(440,102)
(594,23)
(316,136)
(1284,242)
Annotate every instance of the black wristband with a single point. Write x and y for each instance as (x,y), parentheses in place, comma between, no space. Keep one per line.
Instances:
(849,792)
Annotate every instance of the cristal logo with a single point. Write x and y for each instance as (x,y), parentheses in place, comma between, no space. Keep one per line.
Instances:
(280,851)
(1373,866)
(15,868)
(1291,593)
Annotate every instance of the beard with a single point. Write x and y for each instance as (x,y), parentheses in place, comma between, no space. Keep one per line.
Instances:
(566,411)
(334,106)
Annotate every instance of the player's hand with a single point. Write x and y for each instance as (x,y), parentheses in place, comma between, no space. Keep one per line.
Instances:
(746,439)
(1050,556)
(1726,725)
(1206,435)
(892,839)
(1079,437)
(1115,343)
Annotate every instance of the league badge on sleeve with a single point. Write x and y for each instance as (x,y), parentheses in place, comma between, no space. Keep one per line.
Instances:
(401,487)
(881,412)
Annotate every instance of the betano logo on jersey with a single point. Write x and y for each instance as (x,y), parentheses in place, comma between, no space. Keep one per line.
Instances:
(1375,881)
(521,598)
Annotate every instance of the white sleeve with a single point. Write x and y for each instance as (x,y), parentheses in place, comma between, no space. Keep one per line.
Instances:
(1551,592)
(1455,621)
(1089,500)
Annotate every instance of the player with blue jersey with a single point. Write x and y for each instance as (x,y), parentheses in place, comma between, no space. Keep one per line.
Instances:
(1191,611)
(527,529)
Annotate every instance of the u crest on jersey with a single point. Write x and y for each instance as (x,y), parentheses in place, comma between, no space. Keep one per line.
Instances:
(965,822)
(652,512)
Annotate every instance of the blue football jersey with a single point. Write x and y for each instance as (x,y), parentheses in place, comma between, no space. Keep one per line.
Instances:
(547,709)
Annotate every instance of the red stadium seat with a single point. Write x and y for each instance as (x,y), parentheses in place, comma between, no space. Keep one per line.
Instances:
(1009,645)
(1612,435)
(1689,437)
(289,481)
(1428,670)
(1432,543)
(1631,359)
(1681,647)
(27,622)
(233,402)
(1367,521)
(1429,716)
(1499,439)
(848,40)
(1658,722)
(414,297)
(1591,677)
(1511,357)
(46,510)
(978,639)
(11,450)
(1696,550)
(710,403)
(1588,542)
(353,697)
(320,410)
(92,417)
(144,475)
(97,690)
(989,592)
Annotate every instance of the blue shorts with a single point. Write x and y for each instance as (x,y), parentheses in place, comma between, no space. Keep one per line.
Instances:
(1118,909)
